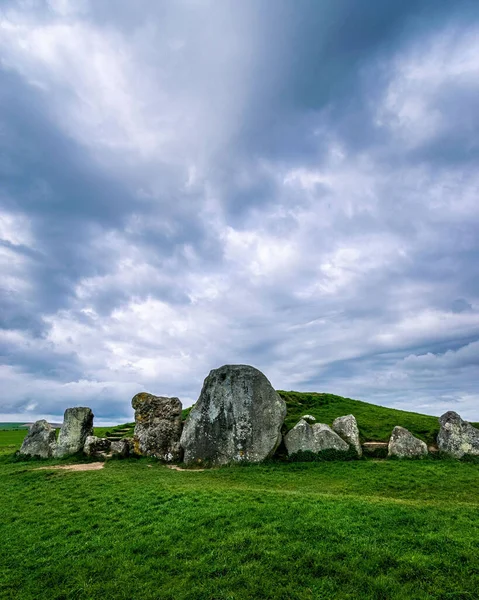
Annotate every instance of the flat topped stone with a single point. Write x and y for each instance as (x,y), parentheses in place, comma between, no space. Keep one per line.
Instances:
(39,441)
(77,426)
(404,444)
(157,426)
(313,438)
(457,437)
(238,417)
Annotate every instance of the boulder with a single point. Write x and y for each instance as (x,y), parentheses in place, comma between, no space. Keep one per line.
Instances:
(347,428)
(403,444)
(457,437)
(39,441)
(313,438)
(77,426)
(157,426)
(238,417)
(95,446)
(120,448)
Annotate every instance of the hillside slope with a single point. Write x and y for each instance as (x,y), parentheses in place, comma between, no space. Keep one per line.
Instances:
(375,422)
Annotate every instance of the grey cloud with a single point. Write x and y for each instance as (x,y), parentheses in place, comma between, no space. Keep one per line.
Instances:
(249,196)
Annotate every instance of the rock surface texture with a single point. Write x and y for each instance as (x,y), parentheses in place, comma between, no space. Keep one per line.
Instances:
(157,426)
(347,428)
(238,417)
(403,444)
(457,437)
(77,426)
(313,438)
(96,445)
(120,448)
(39,441)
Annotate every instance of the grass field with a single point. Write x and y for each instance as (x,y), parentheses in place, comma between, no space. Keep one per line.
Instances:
(138,530)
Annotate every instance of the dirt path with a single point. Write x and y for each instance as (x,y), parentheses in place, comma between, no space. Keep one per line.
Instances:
(177,468)
(96,466)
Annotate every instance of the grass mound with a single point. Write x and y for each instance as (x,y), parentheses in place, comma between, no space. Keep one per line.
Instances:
(375,422)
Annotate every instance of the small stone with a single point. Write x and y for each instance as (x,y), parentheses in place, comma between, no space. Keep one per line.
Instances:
(77,426)
(96,446)
(404,444)
(120,448)
(309,418)
(457,437)
(347,428)
(313,438)
(157,426)
(40,440)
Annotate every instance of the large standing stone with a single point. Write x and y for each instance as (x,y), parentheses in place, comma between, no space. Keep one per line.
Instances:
(313,438)
(457,437)
(39,441)
(403,444)
(347,428)
(95,446)
(157,426)
(238,417)
(77,426)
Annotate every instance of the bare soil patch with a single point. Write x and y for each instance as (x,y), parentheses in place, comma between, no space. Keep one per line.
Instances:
(96,466)
(177,468)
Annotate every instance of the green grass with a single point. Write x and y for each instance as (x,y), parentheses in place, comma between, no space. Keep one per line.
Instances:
(375,422)
(353,530)
(9,426)
(136,529)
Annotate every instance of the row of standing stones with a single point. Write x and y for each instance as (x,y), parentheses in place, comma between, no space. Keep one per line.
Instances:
(237,418)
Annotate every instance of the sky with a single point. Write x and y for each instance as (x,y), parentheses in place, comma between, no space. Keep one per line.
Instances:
(291,184)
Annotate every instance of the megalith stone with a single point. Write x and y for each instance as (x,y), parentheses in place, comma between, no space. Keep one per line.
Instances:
(457,437)
(77,426)
(313,438)
(347,428)
(96,446)
(157,426)
(39,441)
(238,417)
(120,448)
(404,444)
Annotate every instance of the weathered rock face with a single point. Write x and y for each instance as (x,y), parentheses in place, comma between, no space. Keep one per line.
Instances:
(96,445)
(77,426)
(238,417)
(313,438)
(403,444)
(120,448)
(457,437)
(157,426)
(39,441)
(347,428)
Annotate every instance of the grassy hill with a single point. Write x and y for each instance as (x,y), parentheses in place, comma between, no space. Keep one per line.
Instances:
(375,422)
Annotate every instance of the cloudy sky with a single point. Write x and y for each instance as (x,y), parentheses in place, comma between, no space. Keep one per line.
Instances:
(291,184)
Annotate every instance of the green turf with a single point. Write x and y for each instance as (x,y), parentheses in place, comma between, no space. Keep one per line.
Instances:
(136,529)
(10,426)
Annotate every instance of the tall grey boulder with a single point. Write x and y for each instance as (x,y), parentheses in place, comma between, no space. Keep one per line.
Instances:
(77,426)
(238,417)
(157,426)
(403,444)
(457,437)
(39,441)
(313,438)
(347,428)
